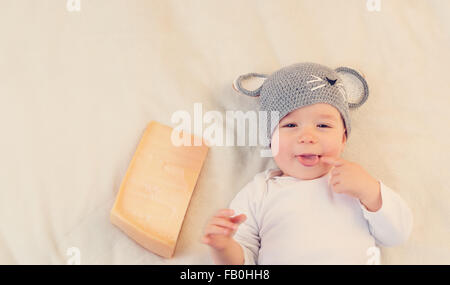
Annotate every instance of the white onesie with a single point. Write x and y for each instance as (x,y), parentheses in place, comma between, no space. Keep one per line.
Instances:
(294,221)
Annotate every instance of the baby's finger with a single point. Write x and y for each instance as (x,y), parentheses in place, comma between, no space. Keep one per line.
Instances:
(223,222)
(335,172)
(216,230)
(239,219)
(331,160)
(224,213)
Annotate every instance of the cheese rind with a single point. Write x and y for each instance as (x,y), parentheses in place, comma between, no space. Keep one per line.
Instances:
(154,194)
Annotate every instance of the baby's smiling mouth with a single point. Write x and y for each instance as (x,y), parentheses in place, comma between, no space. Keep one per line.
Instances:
(308,159)
(308,155)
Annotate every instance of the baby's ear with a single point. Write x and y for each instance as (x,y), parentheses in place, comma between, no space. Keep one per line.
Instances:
(356,88)
(254,79)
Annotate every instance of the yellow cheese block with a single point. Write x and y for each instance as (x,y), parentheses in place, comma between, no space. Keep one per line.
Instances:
(156,190)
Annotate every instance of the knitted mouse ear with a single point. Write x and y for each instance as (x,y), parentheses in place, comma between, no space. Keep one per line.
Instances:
(237,84)
(356,87)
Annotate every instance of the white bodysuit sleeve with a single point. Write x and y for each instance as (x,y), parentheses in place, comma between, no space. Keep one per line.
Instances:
(391,225)
(247,202)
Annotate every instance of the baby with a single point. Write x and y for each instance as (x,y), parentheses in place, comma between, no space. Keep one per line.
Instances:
(316,207)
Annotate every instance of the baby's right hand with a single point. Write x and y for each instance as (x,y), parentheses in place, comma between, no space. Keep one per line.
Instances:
(221,228)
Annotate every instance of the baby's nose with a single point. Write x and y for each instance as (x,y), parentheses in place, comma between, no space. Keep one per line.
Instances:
(306,141)
(307,138)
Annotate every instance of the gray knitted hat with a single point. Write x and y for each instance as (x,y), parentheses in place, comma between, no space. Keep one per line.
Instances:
(304,84)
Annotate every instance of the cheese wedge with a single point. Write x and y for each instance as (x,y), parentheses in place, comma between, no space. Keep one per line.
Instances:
(154,194)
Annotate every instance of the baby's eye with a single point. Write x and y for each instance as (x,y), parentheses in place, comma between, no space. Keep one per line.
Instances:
(289,125)
(324,126)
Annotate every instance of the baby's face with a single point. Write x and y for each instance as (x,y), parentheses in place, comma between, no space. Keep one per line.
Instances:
(315,129)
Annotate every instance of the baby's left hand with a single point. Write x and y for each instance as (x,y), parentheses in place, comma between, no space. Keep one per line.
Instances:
(350,178)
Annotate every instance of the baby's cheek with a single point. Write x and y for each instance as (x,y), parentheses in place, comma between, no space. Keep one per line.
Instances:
(277,150)
(280,145)
(282,151)
(333,150)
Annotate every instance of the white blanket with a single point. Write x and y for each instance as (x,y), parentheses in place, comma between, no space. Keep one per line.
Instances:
(78,87)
